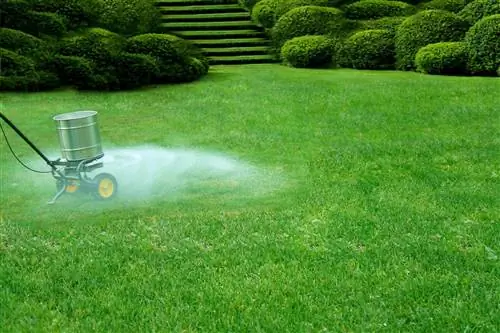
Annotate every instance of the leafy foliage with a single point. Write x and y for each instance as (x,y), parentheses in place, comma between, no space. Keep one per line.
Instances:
(453,6)
(447,58)
(308,51)
(370,49)
(483,45)
(76,13)
(374,9)
(384,23)
(284,6)
(308,20)
(171,53)
(264,13)
(426,27)
(130,17)
(478,9)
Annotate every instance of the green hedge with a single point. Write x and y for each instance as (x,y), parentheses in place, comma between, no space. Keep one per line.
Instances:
(248,4)
(426,27)
(453,6)
(447,58)
(483,45)
(374,9)
(284,6)
(130,17)
(14,64)
(135,70)
(20,42)
(41,24)
(19,16)
(478,9)
(73,70)
(95,44)
(76,13)
(384,23)
(308,51)
(13,13)
(172,54)
(308,20)
(264,13)
(370,49)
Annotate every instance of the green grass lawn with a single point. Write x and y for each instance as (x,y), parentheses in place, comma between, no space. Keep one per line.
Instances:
(375,208)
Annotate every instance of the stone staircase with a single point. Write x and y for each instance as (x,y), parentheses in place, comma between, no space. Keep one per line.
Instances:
(224,31)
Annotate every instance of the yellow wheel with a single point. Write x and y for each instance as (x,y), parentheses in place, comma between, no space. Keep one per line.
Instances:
(106,186)
(71,186)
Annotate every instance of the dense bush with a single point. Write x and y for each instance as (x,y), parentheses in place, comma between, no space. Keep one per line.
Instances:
(426,27)
(130,17)
(248,4)
(95,44)
(370,49)
(17,14)
(447,58)
(76,13)
(264,13)
(453,6)
(13,13)
(384,23)
(308,51)
(374,9)
(14,64)
(284,6)
(308,20)
(478,9)
(72,70)
(171,53)
(135,70)
(41,24)
(483,45)
(20,42)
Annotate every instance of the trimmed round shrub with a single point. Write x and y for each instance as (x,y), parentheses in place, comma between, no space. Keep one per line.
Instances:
(426,27)
(42,24)
(374,9)
(370,49)
(19,83)
(20,42)
(453,6)
(161,46)
(308,20)
(478,9)
(76,13)
(46,81)
(130,17)
(13,13)
(448,58)
(264,13)
(483,45)
(384,23)
(72,70)
(284,6)
(172,54)
(308,51)
(248,4)
(14,64)
(95,44)
(135,70)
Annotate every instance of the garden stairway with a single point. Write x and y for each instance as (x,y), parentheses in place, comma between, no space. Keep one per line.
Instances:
(224,31)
